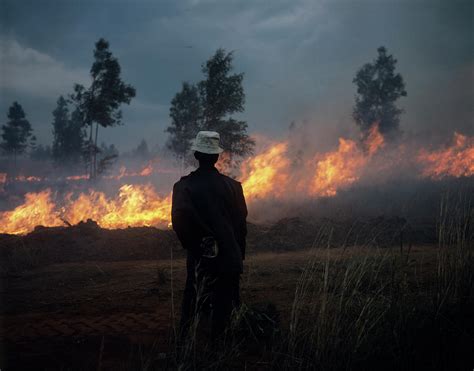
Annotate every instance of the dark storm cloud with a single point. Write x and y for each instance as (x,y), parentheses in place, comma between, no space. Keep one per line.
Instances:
(299,58)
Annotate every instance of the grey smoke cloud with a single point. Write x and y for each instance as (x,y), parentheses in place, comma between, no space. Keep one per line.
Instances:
(299,58)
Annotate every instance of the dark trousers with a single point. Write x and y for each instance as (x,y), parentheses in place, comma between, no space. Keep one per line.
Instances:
(208,292)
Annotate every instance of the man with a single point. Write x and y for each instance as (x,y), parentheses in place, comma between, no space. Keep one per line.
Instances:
(209,216)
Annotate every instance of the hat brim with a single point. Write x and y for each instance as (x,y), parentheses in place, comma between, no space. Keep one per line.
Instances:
(209,151)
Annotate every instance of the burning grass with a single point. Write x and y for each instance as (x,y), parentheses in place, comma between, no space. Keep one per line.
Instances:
(456,160)
(134,205)
(275,174)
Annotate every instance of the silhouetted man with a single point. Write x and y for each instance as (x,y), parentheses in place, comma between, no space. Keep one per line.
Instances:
(209,216)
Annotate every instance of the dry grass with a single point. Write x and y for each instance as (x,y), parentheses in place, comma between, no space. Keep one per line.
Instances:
(364,308)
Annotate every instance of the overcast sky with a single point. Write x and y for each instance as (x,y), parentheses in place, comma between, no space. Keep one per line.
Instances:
(299,58)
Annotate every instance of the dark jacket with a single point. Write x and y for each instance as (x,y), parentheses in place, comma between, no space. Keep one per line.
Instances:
(208,203)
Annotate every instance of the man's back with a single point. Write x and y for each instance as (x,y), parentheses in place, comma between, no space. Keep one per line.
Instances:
(207,203)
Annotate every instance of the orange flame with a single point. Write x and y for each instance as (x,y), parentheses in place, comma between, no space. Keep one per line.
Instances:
(23,178)
(456,161)
(337,169)
(271,173)
(267,173)
(3,180)
(135,205)
(78,177)
(375,140)
(341,168)
(38,209)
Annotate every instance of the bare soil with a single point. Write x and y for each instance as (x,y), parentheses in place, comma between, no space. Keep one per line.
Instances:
(90,314)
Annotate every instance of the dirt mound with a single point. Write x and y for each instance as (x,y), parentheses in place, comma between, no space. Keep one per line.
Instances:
(88,242)
(296,233)
(85,241)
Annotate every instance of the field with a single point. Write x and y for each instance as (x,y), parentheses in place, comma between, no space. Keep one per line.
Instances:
(111,300)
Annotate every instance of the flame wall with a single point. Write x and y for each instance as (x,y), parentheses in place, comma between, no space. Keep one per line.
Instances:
(278,172)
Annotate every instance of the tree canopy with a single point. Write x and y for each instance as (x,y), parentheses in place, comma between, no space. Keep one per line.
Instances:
(209,106)
(17,133)
(185,113)
(378,89)
(68,134)
(100,103)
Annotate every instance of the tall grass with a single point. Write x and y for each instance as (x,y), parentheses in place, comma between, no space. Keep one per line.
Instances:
(353,311)
(454,275)
(378,309)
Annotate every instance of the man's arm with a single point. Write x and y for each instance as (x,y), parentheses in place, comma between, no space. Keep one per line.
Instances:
(241,227)
(182,216)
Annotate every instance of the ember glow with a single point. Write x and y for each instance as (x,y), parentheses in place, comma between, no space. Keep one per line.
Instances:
(456,160)
(3,180)
(146,171)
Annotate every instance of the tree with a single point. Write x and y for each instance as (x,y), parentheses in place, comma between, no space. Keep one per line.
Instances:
(107,155)
(208,106)
(378,89)
(60,123)
(222,94)
(75,137)
(41,153)
(185,113)
(68,134)
(17,132)
(142,150)
(100,103)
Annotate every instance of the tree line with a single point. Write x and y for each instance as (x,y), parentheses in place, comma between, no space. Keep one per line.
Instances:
(208,104)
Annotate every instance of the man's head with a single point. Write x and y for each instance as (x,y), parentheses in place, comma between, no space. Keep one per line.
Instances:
(206,159)
(206,148)
(207,142)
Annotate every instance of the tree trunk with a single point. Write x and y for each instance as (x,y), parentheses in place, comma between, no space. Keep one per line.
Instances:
(95,149)
(90,153)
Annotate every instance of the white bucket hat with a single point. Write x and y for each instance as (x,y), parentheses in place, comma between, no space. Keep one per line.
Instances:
(207,142)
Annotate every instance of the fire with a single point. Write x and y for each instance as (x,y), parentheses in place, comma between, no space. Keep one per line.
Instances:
(341,168)
(270,172)
(3,180)
(224,164)
(78,177)
(135,205)
(337,169)
(267,173)
(23,178)
(123,172)
(275,172)
(375,140)
(147,170)
(456,160)
(38,209)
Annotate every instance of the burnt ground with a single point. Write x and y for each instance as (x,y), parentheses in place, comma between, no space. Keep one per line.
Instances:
(86,298)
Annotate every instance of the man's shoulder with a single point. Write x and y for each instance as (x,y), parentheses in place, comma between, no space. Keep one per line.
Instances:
(229,180)
(183,180)
(194,177)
